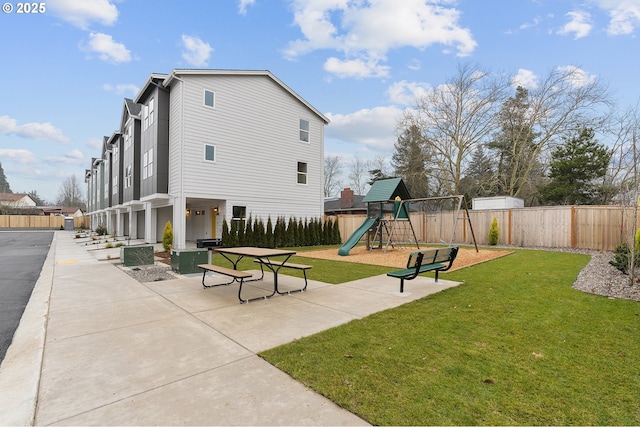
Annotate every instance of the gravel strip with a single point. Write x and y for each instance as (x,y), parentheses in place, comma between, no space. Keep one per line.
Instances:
(601,278)
(150,273)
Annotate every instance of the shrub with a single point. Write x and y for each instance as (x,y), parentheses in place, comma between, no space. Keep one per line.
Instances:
(167,237)
(622,255)
(494,232)
(101,230)
(108,246)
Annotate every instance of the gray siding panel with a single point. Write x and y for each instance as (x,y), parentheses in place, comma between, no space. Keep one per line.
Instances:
(255,129)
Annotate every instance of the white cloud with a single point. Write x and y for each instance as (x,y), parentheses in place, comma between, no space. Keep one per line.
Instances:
(95,143)
(18,156)
(579,24)
(624,14)
(357,68)
(367,30)
(242,6)
(525,78)
(373,128)
(197,52)
(406,93)
(577,76)
(121,89)
(73,157)
(37,131)
(82,13)
(107,49)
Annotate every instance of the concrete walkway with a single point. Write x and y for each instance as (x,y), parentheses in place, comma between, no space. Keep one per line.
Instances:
(96,347)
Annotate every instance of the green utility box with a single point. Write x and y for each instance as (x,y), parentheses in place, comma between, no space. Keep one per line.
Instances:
(186,261)
(136,255)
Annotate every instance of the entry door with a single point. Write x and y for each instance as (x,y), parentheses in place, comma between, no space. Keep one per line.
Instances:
(213,223)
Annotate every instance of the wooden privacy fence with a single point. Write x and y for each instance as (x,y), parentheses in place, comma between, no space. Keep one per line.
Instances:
(581,227)
(41,221)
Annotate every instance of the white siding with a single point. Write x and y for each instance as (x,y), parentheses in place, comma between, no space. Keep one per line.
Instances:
(255,128)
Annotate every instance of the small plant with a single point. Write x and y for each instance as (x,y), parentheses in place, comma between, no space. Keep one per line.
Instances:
(119,244)
(101,230)
(167,236)
(108,246)
(622,255)
(494,232)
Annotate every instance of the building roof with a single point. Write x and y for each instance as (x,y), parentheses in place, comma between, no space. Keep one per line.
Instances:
(12,197)
(334,204)
(384,190)
(197,72)
(133,108)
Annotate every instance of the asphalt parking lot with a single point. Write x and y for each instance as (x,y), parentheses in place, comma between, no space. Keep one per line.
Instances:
(22,254)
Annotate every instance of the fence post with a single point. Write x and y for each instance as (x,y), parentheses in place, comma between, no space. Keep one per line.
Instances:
(573,226)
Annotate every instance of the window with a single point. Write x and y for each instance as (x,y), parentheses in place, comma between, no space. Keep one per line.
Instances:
(127,137)
(210,152)
(115,184)
(304,130)
(147,114)
(128,177)
(147,164)
(209,98)
(114,157)
(239,212)
(302,173)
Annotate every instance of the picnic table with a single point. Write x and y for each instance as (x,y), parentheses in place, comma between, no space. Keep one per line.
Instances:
(265,257)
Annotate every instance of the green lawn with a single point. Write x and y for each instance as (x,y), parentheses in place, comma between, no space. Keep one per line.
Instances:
(513,345)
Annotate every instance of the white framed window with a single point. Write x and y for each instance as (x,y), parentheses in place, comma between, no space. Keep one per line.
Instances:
(209,98)
(302,173)
(239,212)
(128,177)
(147,164)
(114,188)
(114,156)
(209,153)
(127,136)
(304,130)
(148,114)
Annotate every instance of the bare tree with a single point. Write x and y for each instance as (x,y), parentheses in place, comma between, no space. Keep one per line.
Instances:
(358,175)
(70,193)
(455,118)
(332,175)
(565,101)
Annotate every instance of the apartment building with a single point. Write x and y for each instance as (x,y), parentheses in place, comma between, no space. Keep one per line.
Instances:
(196,147)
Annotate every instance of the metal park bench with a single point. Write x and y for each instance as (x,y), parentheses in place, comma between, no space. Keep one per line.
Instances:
(423,261)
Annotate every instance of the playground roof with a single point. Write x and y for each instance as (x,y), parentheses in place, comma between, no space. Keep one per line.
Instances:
(387,189)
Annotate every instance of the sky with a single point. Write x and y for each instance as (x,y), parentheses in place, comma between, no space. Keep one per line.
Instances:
(67,65)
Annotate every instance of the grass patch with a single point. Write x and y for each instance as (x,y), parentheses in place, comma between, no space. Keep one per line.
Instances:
(513,345)
(323,270)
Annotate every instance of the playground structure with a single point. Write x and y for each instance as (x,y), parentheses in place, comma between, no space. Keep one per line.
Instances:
(388,220)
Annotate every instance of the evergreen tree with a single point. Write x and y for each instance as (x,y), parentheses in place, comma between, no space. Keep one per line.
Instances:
(269,240)
(259,237)
(225,234)
(575,169)
(410,160)
(292,232)
(4,184)
(479,179)
(514,147)
(279,233)
(249,239)
(34,195)
(233,234)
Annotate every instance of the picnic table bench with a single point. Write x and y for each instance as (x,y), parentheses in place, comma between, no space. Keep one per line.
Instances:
(283,264)
(236,275)
(423,261)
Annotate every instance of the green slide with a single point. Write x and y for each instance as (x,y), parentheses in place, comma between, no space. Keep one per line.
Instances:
(356,236)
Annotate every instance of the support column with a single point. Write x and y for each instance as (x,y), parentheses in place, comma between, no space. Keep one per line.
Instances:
(150,222)
(179,222)
(133,223)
